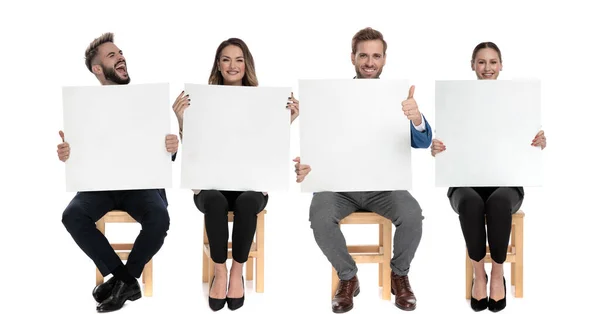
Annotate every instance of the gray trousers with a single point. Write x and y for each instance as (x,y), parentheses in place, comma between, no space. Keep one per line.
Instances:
(328,208)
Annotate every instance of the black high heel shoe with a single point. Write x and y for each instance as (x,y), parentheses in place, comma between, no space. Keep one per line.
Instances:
(479,305)
(496,306)
(215,304)
(235,303)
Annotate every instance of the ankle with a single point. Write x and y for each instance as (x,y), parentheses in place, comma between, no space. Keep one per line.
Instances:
(123,274)
(220,270)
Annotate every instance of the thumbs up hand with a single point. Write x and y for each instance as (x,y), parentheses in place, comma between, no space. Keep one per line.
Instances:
(63,149)
(410,108)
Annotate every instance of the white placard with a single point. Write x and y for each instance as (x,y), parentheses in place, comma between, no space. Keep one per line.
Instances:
(117,137)
(236,138)
(487,127)
(354,135)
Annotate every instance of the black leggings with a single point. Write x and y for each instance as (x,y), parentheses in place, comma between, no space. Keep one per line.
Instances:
(474,206)
(215,205)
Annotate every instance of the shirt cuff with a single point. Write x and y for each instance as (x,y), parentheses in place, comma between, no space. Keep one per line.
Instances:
(420,127)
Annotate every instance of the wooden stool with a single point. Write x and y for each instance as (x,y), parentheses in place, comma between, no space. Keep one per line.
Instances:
(380,253)
(123,249)
(514,256)
(257,252)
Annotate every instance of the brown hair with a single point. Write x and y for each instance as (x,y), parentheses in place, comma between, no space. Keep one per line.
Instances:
(367,34)
(92,50)
(249,79)
(487,44)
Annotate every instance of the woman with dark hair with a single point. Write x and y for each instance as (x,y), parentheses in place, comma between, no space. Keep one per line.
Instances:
(233,65)
(495,205)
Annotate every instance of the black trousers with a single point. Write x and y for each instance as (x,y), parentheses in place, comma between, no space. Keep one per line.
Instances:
(475,206)
(215,205)
(145,206)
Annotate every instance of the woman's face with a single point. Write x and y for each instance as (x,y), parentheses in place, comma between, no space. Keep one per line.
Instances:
(232,65)
(487,64)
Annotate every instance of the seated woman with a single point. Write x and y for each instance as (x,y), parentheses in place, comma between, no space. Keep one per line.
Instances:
(233,65)
(475,205)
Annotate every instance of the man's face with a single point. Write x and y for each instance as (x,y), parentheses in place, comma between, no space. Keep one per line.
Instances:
(112,64)
(369,59)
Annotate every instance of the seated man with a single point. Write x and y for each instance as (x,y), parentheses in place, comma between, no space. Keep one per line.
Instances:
(149,207)
(328,208)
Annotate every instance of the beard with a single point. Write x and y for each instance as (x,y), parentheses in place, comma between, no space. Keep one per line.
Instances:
(358,75)
(111,75)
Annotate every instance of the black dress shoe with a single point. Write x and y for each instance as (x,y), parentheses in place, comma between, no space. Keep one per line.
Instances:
(215,304)
(102,291)
(120,293)
(479,305)
(496,306)
(235,303)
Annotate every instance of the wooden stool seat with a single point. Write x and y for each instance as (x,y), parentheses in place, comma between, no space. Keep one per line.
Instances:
(256,254)
(123,249)
(380,253)
(514,256)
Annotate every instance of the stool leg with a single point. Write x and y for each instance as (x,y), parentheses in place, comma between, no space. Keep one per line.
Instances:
(205,260)
(260,253)
(334,282)
(387,253)
(380,264)
(468,276)
(100,225)
(211,270)
(250,269)
(519,258)
(512,265)
(99,277)
(148,282)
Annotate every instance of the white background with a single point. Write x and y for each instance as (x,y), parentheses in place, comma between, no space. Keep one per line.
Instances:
(43,47)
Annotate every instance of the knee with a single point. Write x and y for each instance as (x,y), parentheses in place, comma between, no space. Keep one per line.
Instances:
(406,210)
(498,206)
(72,217)
(412,217)
(157,221)
(250,203)
(470,206)
(211,200)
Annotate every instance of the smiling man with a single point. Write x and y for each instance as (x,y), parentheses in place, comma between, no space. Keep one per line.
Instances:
(149,207)
(328,208)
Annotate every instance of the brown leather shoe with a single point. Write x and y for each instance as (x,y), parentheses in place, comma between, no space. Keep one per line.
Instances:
(346,291)
(405,298)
